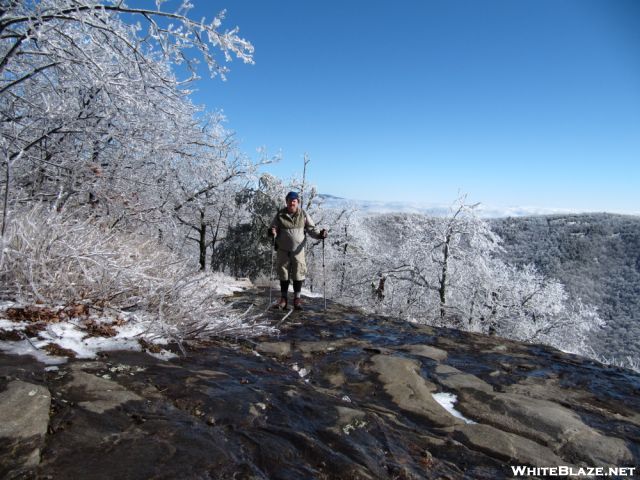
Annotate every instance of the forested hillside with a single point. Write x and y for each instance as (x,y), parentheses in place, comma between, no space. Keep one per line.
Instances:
(596,257)
(448,271)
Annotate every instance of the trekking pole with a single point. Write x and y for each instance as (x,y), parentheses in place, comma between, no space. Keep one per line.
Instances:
(273,248)
(324,279)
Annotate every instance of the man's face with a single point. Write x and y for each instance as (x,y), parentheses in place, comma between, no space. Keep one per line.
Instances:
(292,205)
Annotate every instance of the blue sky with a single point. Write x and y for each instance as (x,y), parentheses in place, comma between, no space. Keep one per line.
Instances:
(515,102)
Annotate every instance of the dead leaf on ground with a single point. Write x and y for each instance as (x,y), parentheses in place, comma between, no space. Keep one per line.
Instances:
(148,346)
(58,351)
(33,313)
(33,329)
(37,313)
(96,329)
(10,335)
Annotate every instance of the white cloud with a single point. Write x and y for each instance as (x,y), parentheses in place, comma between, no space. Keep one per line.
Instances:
(436,210)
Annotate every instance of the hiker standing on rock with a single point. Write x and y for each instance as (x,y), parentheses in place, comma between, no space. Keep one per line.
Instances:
(290,227)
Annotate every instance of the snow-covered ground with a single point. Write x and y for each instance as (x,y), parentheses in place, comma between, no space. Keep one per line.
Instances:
(60,332)
(72,335)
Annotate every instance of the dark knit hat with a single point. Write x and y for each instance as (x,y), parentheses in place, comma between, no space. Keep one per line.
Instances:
(292,196)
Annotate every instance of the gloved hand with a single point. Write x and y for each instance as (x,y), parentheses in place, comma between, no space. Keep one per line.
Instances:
(324,233)
(272,232)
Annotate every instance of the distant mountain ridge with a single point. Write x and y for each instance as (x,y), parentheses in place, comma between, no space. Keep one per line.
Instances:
(436,209)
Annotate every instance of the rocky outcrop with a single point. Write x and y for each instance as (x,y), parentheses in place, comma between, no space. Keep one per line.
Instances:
(510,448)
(101,393)
(547,423)
(402,381)
(24,417)
(339,395)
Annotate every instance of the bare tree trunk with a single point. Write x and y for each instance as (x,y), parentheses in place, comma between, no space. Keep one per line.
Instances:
(443,277)
(202,241)
(214,240)
(5,200)
(5,212)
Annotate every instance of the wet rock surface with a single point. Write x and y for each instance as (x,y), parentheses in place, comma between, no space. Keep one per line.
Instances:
(338,395)
(24,417)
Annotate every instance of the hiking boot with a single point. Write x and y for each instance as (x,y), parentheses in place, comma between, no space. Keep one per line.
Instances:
(297,304)
(280,304)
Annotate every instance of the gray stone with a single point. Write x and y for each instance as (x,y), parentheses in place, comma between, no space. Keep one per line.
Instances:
(337,379)
(324,346)
(545,422)
(24,419)
(257,409)
(104,394)
(547,389)
(540,420)
(426,351)
(597,449)
(506,446)
(88,365)
(349,420)
(409,390)
(499,348)
(279,349)
(423,329)
(208,374)
(348,415)
(454,379)
(449,343)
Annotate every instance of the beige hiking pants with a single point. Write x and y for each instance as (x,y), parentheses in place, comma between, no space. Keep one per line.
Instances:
(291,265)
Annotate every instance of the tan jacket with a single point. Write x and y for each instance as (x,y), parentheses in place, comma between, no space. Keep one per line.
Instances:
(292,230)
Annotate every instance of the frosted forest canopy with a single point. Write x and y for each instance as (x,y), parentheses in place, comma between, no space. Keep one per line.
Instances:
(117,191)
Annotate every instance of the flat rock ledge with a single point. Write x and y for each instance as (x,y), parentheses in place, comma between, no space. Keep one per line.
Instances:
(338,395)
(24,418)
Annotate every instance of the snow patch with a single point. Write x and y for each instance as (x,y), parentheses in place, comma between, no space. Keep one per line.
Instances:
(71,335)
(303,372)
(163,355)
(448,400)
(23,347)
(310,294)
(220,284)
(9,325)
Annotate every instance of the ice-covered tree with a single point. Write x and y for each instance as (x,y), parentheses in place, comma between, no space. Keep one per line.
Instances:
(431,260)
(449,272)
(92,112)
(204,190)
(245,248)
(97,137)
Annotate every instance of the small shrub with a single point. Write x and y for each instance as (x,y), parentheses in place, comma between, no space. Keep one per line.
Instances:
(53,259)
